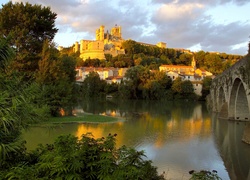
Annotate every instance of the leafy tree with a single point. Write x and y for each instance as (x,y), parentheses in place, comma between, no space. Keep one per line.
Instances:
(184,59)
(199,57)
(207,81)
(213,63)
(165,59)
(206,175)
(56,76)
(176,86)
(187,88)
(28,26)
(91,63)
(18,109)
(136,77)
(182,89)
(93,86)
(131,47)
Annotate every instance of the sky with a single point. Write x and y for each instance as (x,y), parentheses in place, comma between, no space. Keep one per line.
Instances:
(208,25)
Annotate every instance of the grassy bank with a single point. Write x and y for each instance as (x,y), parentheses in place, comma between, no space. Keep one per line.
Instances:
(90,118)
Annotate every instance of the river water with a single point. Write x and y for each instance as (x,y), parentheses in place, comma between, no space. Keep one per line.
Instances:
(176,136)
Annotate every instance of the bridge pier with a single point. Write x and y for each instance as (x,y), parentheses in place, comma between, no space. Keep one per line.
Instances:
(246,134)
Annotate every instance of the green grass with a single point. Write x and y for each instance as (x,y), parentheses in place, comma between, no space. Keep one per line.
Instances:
(92,118)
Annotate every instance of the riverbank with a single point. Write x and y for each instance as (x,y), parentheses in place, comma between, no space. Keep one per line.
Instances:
(84,118)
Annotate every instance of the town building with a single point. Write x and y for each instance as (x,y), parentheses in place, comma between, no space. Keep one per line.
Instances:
(190,73)
(110,75)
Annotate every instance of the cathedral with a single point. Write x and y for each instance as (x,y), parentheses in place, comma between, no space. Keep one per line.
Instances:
(105,43)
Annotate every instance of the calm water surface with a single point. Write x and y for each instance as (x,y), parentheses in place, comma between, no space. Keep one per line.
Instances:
(176,136)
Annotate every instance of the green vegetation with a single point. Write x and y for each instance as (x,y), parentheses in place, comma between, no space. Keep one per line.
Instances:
(140,83)
(36,82)
(85,158)
(27,26)
(204,175)
(92,118)
(35,59)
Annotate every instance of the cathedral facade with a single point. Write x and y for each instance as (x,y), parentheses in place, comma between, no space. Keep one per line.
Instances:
(105,43)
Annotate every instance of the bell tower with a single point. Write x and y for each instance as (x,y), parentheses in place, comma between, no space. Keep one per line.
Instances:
(193,63)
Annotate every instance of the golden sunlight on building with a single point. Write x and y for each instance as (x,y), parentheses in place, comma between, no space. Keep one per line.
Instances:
(105,43)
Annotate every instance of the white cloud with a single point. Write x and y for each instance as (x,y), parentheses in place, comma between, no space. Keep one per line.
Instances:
(179,23)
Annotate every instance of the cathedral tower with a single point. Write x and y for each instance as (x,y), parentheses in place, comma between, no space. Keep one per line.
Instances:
(193,63)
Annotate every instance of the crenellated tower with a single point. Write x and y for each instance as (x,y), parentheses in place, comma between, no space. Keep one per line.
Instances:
(100,33)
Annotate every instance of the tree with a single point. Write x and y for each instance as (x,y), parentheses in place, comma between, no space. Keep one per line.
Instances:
(19,108)
(92,85)
(207,81)
(184,59)
(137,77)
(27,26)
(213,63)
(183,89)
(56,77)
(199,57)
(176,86)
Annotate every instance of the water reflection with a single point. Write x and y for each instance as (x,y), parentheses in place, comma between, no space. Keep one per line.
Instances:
(234,152)
(176,136)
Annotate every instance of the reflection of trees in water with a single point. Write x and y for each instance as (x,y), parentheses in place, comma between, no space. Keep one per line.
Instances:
(185,109)
(162,121)
(234,152)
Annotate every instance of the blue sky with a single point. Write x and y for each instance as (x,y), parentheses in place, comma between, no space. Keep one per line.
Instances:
(209,25)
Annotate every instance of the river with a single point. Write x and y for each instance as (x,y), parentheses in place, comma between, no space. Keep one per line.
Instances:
(177,136)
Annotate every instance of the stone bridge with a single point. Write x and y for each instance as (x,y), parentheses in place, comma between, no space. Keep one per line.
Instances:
(230,92)
(230,95)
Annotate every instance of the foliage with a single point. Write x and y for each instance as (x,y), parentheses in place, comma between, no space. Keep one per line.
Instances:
(86,158)
(27,26)
(207,81)
(213,63)
(199,57)
(56,76)
(184,59)
(204,175)
(18,108)
(92,85)
(183,89)
(141,83)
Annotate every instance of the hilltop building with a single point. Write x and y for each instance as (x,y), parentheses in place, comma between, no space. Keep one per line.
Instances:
(190,73)
(105,43)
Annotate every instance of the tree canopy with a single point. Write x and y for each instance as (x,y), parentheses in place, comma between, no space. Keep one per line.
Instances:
(27,26)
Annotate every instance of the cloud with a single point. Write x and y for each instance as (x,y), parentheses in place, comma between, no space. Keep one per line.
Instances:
(179,23)
(184,24)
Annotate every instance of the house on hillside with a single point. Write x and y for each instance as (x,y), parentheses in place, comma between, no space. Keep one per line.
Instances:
(110,74)
(190,73)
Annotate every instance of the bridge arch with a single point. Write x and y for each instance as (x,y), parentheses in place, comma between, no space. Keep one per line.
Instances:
(238,104)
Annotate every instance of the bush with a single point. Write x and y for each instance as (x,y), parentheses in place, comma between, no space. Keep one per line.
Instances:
(87,158)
